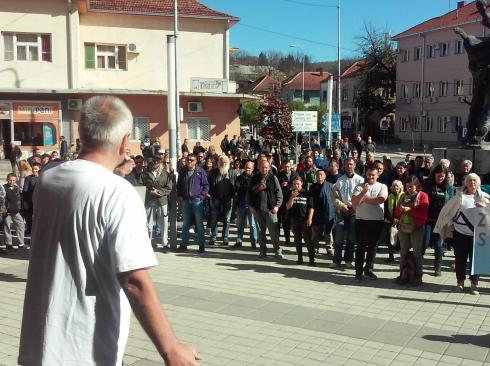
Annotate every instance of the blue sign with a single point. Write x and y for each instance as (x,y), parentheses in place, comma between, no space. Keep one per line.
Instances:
(480,218)
(48,134)
(335,122)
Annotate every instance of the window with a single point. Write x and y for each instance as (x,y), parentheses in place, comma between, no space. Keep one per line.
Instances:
(141,127)
(416,90)
(459,47)
(417,123)
(404,123)
(324,95)
(405,55)
(431,51)
(27,47)
(417,53)
(443,88)
(345,94)
(428,124)
(442,123)
(457,123)
(105,57)
(458,87)
(404,91)
(198,129)
(429,90)
(444,49)
(35,133)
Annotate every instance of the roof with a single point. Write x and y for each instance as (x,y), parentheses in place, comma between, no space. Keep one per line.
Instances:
(186,8)
(263,84)
(354,70)
(313,80)
(465,14)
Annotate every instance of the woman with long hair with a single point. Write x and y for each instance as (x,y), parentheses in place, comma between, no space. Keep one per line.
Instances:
(454,219)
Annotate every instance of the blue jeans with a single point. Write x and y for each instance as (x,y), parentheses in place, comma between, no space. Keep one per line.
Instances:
(430,236)
(192,208)
(243,213)
(344,230)
(220,210)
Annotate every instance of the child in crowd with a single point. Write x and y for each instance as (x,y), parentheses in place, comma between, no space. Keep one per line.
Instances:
(13,218)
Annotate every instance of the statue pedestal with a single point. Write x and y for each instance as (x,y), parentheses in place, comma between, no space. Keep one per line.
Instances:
(480,158)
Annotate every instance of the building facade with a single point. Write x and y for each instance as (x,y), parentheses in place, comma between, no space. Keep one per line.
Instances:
(434,85)
(293,87)
(57,53)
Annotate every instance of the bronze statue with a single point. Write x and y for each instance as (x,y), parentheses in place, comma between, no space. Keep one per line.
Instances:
(478,50)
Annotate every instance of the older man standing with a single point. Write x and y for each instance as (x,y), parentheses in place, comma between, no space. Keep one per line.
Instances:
(265,198)
(221,189)
(242,184)
(192,188)
(89,247)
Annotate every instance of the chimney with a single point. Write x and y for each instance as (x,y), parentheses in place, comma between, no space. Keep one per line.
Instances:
(461,4)
(320,70)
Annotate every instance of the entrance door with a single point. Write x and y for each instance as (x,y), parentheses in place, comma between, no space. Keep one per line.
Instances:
(5,137)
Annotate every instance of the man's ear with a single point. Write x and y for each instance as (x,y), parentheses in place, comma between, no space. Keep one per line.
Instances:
(124,144)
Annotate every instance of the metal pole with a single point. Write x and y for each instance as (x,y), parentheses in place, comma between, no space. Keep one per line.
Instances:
(172,134)
(303,86)
(330,110)
(338,69)
(177,96)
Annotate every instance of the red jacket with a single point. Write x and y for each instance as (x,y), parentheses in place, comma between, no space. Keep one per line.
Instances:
(419,211)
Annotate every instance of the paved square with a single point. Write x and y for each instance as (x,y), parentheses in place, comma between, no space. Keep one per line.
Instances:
(237,309)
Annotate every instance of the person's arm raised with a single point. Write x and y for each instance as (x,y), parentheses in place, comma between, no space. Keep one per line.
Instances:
(146,306)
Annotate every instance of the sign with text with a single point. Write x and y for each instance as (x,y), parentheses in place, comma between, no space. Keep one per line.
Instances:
(36,110)
(480,218)
(208,85)
(335,122)
(305,121)
(384,124)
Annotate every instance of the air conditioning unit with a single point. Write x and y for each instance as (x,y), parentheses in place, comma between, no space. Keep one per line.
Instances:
(74,104)
(194,107)
(134,48)
(434,100)
(407,100)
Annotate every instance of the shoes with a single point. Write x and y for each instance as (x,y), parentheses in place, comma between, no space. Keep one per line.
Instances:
(4,251)
(254,245)
(359,278)
(329,252)
(398,281)
(237,245)
(226,242)
(335,265)
(201,251)
(181,249)
(278,254)
(211,242)
(160,246)
(460,286)
(262,255)
(371,275)
(299,261)
(349,265)
(15,247)
(311,263)
(474,289)
(389,260)
(437,272)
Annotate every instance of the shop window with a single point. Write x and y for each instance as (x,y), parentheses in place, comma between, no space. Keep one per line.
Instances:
(141,127)
(27,47)
(35,133)
(105,57)
(198,129)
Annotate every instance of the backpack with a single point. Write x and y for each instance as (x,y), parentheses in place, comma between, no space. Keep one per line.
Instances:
(408,274)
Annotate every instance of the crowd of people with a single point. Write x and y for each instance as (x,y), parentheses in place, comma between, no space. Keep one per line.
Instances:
(353,205)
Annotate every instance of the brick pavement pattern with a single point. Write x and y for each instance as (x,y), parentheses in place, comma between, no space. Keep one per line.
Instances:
(239,310)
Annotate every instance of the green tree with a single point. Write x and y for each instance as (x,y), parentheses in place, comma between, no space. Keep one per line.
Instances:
(276,115)
(296,105)
(249,113)
(376,90)
(263,61)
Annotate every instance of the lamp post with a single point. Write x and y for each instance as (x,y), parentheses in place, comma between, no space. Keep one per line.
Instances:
(302,93)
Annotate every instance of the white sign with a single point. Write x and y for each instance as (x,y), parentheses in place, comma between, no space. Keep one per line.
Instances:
(28,109)
(305,121)
(384,124)
(207,85)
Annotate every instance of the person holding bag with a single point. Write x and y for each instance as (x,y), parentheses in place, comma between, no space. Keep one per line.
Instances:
(455,221)
(411,213)
(390,225)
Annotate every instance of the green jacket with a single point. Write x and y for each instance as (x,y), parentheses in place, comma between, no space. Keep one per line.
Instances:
(390,205)
(308,177)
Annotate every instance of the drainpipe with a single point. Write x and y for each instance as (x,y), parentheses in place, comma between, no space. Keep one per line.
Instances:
(226,53)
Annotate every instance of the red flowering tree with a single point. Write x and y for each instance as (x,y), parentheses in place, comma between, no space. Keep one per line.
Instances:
(276,116)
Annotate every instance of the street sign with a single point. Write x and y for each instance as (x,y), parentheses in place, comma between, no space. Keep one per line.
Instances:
(305,121)
(335,122)
(480,218)
(384,124)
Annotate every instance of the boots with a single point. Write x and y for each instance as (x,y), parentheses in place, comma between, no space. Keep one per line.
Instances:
(312,258)
(299,251)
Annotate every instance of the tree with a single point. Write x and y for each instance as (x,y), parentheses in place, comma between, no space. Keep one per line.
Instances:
(375,97)
(296,105)
(249,113)
(263,61)
(276,115)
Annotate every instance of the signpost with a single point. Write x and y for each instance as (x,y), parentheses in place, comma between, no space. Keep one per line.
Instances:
(481,245)
(304,121)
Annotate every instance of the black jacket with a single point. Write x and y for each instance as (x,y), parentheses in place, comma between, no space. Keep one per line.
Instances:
(221,188)
(264,192)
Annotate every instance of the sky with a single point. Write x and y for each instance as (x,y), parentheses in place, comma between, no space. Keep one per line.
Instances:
(311,25)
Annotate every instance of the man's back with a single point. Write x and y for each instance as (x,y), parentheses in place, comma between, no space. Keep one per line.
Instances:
(89,225)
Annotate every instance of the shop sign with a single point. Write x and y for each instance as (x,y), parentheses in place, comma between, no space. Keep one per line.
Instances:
(208,85)
(35,110)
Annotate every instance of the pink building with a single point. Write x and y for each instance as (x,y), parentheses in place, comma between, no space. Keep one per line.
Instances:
(433,80)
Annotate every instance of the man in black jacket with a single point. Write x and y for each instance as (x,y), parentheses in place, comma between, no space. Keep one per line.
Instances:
(264,199)
(243,212)
(286,178)
(221,190)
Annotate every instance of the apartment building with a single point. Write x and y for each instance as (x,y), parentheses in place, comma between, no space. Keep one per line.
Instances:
(54,54)
(434,84)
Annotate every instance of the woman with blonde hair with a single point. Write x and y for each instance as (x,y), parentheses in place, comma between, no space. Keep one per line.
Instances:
(24,170)
(455,220)
(396,192)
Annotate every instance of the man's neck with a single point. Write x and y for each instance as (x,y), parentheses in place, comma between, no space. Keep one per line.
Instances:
(101,158)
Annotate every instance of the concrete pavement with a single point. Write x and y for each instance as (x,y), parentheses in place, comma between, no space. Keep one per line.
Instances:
(237,309)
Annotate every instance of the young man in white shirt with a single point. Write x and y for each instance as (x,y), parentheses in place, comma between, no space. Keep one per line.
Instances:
(368,201)
(89,257)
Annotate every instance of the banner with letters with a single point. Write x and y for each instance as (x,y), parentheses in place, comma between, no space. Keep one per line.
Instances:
(480,219)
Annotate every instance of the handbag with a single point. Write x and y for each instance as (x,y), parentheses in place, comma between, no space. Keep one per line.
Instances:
(393,235)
